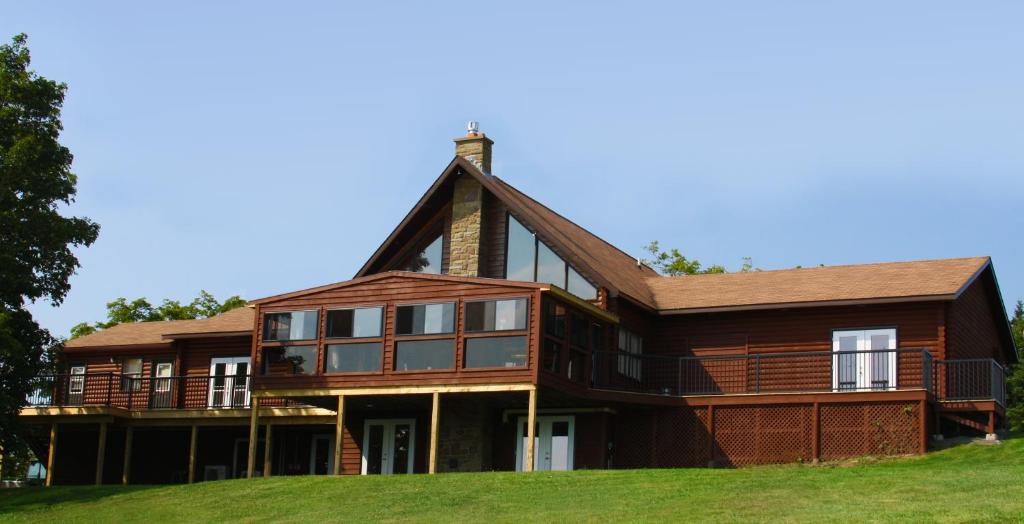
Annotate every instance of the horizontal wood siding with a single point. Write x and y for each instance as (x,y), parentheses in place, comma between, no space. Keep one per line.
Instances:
(197,353)
(972,331)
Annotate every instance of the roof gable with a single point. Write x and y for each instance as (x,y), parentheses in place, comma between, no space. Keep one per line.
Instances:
(598,260)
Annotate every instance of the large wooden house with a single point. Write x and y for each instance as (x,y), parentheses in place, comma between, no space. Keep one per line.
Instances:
(489,332)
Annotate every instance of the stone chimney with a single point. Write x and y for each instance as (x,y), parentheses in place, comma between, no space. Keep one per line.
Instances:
(467,205)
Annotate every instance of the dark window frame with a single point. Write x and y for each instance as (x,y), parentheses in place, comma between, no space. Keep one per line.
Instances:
(493,332)
(285,341)
(340,340)
(536,256)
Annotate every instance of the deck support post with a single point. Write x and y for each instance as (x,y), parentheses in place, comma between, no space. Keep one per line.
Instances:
(339,434)
(435,411)
(816,434)
(127,466)
(101,451)
(923,422)
(193,444)
(267,455)
(51,455)
(254,433)
(531,423)
(990,428)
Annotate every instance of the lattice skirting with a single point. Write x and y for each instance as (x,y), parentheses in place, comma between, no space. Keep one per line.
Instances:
(773,434)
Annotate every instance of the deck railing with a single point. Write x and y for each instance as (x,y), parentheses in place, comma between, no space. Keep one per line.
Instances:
(881,370)
(970,379)
(143,393)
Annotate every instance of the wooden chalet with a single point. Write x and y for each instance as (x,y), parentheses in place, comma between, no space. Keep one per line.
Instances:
(488,332)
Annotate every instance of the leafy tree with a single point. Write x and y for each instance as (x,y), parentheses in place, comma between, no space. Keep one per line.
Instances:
(1015,380)
(36,260)
(121,311)
(673,263)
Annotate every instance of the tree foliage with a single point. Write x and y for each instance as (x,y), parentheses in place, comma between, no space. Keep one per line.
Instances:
(1015,380)
(121,311)
(674,263)
(36,260)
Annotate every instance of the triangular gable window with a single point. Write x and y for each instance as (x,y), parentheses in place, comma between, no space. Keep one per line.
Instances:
(428,260)
(530,259)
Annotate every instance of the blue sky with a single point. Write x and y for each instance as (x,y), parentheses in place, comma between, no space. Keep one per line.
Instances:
(254,149)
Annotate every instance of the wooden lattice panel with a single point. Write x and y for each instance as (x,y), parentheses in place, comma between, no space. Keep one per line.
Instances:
(881,428)
(682,439)
(762,435)
(634,440)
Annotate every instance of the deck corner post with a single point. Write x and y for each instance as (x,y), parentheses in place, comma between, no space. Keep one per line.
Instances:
(268,447)
(531,423)
(101,451)
(816,433)
(435,411)
(254,428)
(923,422)
(193,444)
(126,469)
(711,435)
(339,434)
(51,455)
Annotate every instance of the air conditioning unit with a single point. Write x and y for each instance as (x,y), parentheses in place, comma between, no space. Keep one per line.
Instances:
(215,473)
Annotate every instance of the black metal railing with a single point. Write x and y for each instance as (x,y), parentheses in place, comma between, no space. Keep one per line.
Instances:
(142,393)
(879,370)
(970,379)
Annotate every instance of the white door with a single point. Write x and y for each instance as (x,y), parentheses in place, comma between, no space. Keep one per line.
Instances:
(321,455)
(865,359)
(76,385)
(553,443)
(162,395)
(388,446)
(229,382)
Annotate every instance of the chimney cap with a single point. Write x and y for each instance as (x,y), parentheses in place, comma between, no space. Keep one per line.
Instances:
(473,127)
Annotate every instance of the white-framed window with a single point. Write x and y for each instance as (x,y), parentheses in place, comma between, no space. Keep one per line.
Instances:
(632,347)
(131,372)
(864,359)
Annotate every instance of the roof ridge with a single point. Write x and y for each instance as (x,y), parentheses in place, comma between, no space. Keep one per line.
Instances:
(835,266)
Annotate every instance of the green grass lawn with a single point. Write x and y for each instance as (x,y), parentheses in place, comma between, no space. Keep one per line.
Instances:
(965,483)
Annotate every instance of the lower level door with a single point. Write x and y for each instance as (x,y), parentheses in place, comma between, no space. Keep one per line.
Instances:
(388,446)
(321,455)
(553,443)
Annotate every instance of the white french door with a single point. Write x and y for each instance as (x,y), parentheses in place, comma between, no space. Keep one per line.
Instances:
(388,446)
(553,443)
(321,455)
(229,382)
(865,359)
(161,395)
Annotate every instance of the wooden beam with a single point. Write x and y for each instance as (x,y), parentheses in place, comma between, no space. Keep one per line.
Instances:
(816,433)
(127,469)
(435,412)
(392,390)
(101,451)
(192,445)
(267,448)
(254,433)
(51,455)
(531,423)
(339,434)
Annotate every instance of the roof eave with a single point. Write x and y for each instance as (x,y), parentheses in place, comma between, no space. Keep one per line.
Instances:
(806,304)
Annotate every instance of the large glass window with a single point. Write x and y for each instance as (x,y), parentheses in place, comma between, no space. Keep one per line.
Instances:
(529,259)
(425,319)
(293,325)
(355,322)
(131,371)
(289,360)
(428,260)
(632,346)
(494,352)
(580,287)
(353,358)
(496,315)
(520,252)
(424,354)
(554,319)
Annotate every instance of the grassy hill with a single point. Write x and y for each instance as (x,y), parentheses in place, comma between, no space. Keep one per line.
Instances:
(965,483)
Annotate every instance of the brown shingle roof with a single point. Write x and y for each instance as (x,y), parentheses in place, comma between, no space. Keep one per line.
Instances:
(926,279)
(160,332)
